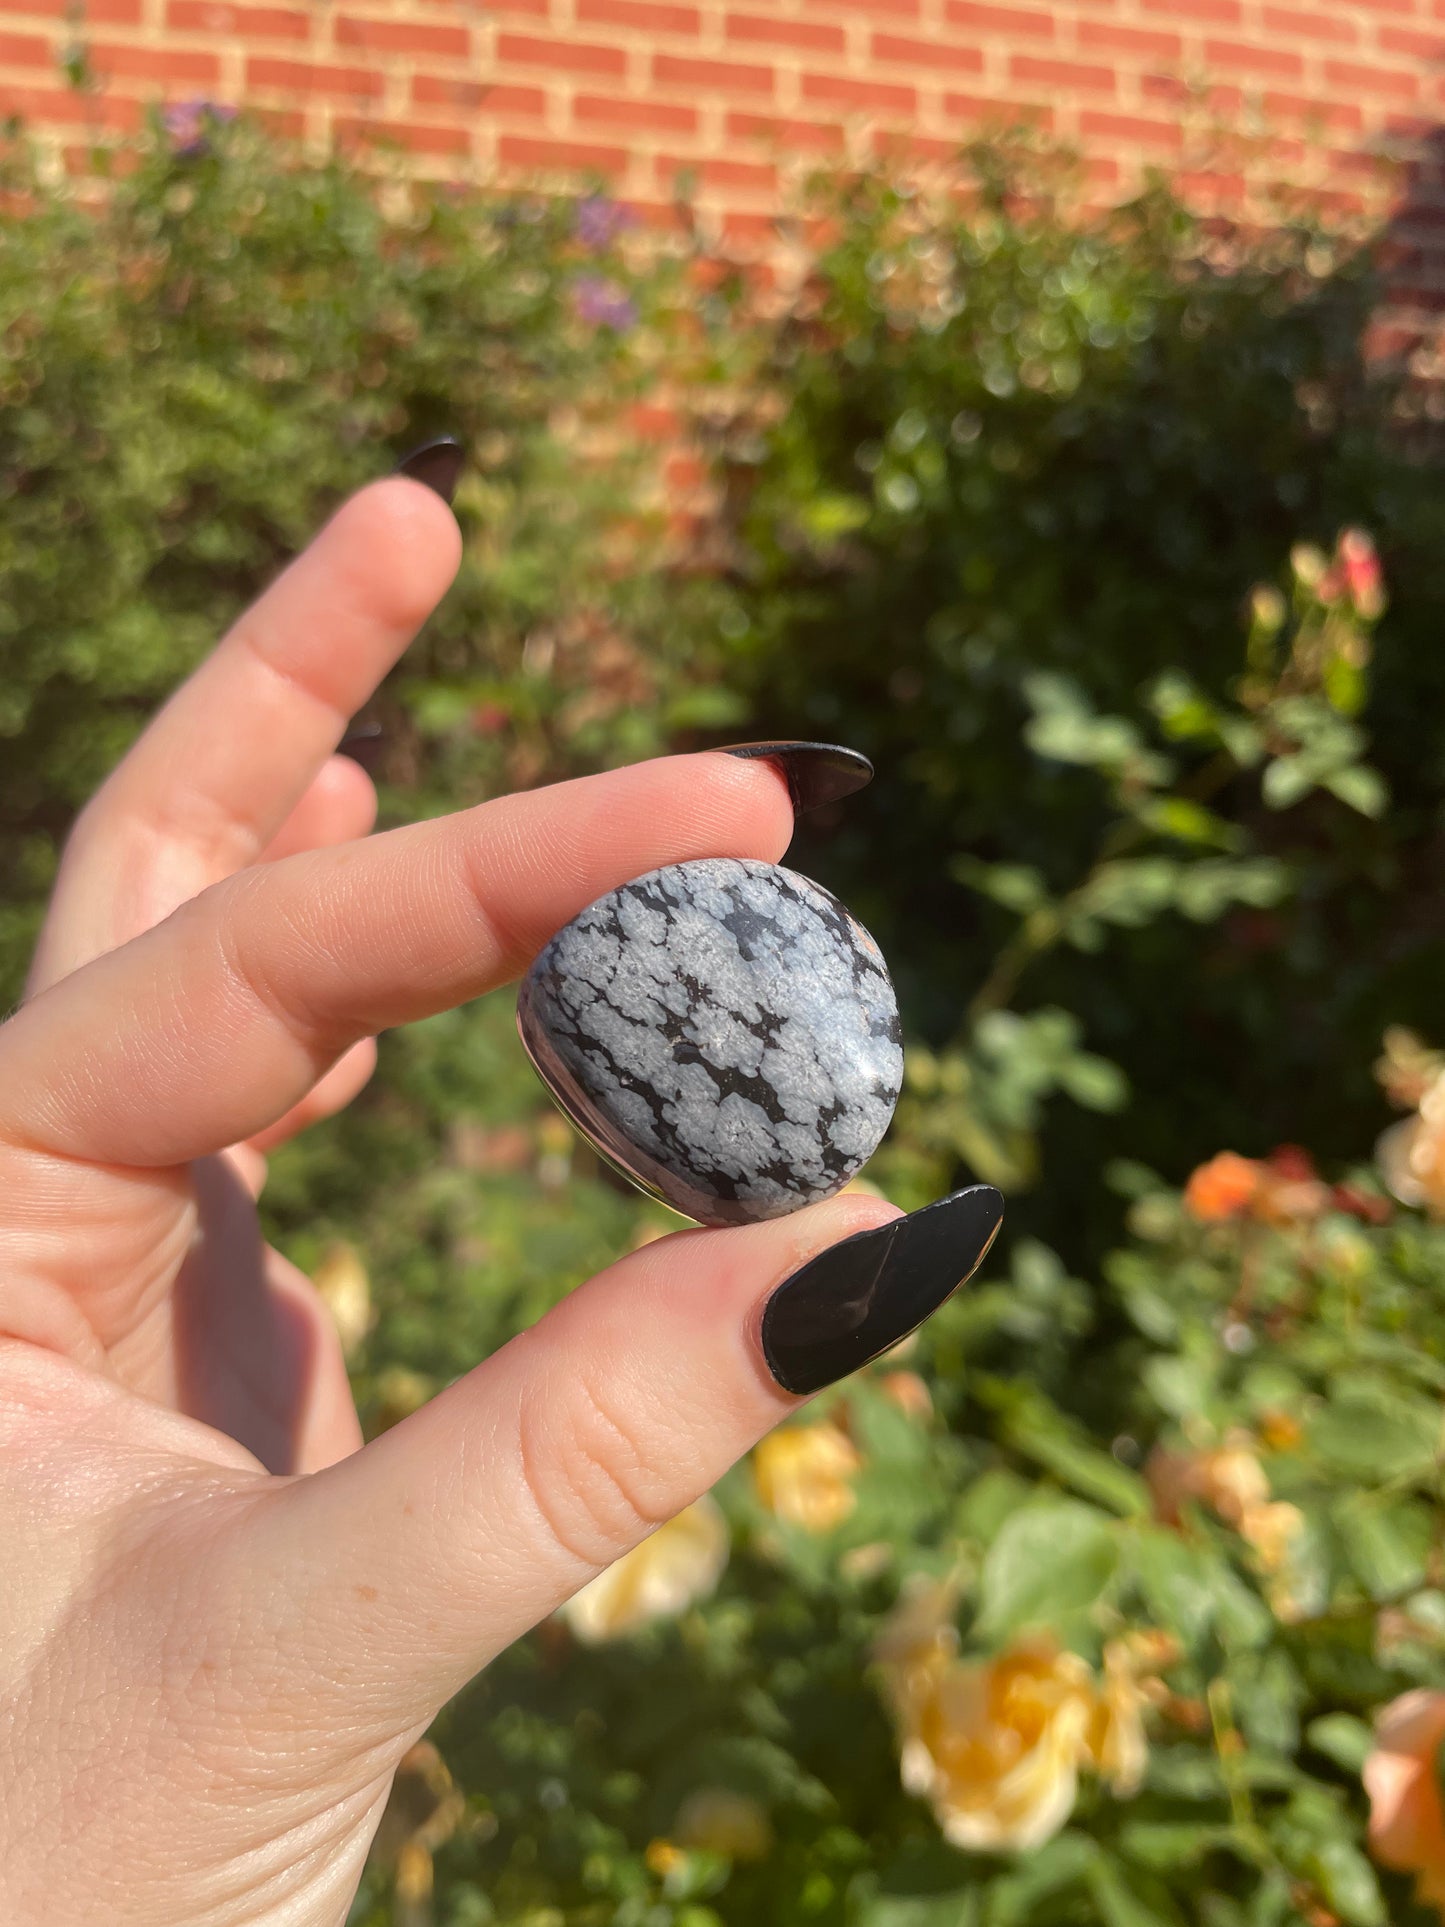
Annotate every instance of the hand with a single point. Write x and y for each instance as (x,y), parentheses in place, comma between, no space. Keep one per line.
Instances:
(223,1621)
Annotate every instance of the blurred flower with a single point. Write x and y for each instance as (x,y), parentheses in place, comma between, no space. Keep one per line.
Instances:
(714,1819)
(1407,1824)
(996,1746)
(489,719)
(186,123)
(603,303)
(1223,1188)
(599,221)
(1406,1067)
(804,1475)
(1308,563)
(680,1563)
(1116,1742)
(1411,1156)
(1281,1189)
(909,1393)
(345,1290)
(1363,578)
(399,1393)
(663,1858)
(1232,1483)
(1267,607)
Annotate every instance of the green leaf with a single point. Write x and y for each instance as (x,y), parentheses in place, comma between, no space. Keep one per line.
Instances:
(1375,1433)
(1362,788)
(1341,1738)
(1048,1562)
(1348,1882)
(1119,1902)
(1388,1546)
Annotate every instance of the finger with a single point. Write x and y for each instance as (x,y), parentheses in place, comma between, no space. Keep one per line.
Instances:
(339,804)
(207,1030)
(333,1093)
(420,1558)
(229,757)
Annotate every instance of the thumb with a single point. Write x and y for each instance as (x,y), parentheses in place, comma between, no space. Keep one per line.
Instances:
(419,1558)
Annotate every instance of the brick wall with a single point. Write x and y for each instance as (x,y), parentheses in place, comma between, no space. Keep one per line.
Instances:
(1307,94)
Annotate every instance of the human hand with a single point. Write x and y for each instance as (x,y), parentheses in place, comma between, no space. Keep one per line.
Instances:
(222,1620)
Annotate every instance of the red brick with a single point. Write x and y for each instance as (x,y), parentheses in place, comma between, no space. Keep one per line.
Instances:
(925,55)
(759,229)
(25,50)
(55,8)
(300,77)
(1242,58)
(603,110)
(566,57)
(402,36)
(715,76)
(1222,12)
(1103,37)
(878,9)
(1328,113)
(748,177)
(1310,26)
(1009,20)
(475,96)
(988,108)
(538,9)
(817,137)
(1391,82)
(1216,99)
(421,140)
(573,157)
(858,94)
(66,106)
(1062,73)
(156,63)
(247,23)
(768,30)
(1406,40)
(288,122)
(892,143)
(652,16)
(1130,127)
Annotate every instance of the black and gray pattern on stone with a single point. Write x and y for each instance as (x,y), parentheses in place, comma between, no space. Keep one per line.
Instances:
(724,1031)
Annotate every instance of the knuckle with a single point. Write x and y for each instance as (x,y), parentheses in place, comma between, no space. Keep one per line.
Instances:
(589,1475)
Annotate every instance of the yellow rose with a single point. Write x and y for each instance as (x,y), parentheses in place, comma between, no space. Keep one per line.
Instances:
(679,1563)
(995,1748)
(804,1475)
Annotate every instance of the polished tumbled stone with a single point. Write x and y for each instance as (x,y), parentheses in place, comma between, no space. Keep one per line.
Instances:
(724,1032)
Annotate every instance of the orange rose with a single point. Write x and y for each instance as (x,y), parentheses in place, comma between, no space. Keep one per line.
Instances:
(1224,1188)
(804,1474)
(1407,1825)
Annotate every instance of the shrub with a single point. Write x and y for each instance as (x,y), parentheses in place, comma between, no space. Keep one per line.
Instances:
(1043,512)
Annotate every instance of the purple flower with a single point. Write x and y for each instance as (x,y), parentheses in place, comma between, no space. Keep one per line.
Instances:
(600,221)
(603,303)
(186,122)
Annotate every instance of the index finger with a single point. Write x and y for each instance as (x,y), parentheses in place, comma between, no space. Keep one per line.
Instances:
(223,764)
(206,1029)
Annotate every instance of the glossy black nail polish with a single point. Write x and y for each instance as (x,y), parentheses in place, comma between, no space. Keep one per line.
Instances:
(815,772)
(361,743)
(438,463)
(856,1299)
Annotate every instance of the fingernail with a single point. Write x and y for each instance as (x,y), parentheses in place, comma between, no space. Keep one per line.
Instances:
(438,463)
(857,1298)
(360,742)
(815,772)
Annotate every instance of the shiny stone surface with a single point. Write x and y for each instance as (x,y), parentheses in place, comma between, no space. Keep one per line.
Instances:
(724,1032)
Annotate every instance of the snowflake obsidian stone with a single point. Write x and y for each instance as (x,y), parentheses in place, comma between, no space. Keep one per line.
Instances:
(724,1032)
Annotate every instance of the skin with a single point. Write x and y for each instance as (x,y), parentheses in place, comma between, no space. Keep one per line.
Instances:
(222,1619)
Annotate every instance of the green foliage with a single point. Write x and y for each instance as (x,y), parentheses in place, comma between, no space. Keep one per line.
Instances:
(1011,498)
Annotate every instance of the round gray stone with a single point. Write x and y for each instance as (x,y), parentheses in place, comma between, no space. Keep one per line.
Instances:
(724,1032)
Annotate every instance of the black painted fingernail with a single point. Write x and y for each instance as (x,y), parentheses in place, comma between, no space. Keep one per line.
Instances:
(438,463)
(361,742)
(815,772)
(856,1299)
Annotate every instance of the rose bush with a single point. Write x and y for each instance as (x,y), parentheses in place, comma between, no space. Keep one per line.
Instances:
(1114,1596)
